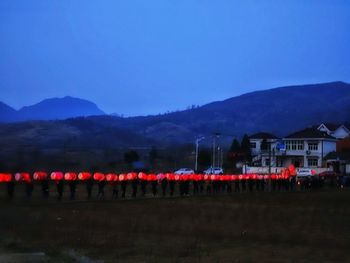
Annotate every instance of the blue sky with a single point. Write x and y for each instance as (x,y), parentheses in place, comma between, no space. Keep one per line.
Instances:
(146,57)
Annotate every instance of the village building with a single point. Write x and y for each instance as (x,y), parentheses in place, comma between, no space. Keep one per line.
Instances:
(304,148)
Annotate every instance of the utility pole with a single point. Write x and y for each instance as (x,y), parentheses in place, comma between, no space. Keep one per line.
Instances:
(215,136)
(269,144)
(197,146)
(213,157)
(270,182)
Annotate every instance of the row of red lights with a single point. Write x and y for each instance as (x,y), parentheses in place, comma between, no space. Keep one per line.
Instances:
(112,177)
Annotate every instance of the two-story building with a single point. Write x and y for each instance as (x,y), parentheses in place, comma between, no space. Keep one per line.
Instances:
(305,148)
(262,147)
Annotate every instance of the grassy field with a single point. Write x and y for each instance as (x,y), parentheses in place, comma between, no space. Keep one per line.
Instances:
(246,227)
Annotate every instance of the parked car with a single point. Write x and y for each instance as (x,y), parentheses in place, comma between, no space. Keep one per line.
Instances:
(301,172)
(214,170)
(184,171)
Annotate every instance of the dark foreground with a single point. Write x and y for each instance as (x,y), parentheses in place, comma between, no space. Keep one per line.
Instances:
(245,227)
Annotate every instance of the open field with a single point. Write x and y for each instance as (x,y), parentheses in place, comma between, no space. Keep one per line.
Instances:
(245,227)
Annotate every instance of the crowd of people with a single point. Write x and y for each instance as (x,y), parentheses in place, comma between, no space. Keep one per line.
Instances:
(139,184)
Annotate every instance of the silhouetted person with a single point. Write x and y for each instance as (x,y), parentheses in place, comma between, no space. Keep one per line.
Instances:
(134,187)
(237,188)
(243,185)
(263,185)
(143,187)
(89,185)
(45,188)
(154,184)
(10,187)
(273,184)
(250,184)
(123,185)
(114,186)
(171,187)
(201,186)
(164,184)
(195,187)
(29,188)
(101,189)
(229,187)
(72,188)
(60,187)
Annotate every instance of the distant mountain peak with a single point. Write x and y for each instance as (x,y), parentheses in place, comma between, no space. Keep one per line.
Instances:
(59,108)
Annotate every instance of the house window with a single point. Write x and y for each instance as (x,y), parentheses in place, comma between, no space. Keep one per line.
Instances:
(253,145)
(312,146)
(294,145)
(312,162)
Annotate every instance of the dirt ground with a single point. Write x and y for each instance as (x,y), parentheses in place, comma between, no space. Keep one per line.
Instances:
(240,227)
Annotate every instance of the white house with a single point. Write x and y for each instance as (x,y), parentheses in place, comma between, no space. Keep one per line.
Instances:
(337,131)
(305,148)
(261,152)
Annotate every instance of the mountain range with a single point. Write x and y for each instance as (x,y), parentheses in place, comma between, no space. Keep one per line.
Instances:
(279,111)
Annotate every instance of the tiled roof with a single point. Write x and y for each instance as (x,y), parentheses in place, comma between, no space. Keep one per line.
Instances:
(263,135)
(332,126)
(309,133)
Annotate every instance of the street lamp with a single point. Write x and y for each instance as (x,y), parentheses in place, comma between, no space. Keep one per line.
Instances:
(215,136)
(197,146)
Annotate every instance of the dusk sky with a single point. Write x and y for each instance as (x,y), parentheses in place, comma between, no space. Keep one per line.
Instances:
(146,57)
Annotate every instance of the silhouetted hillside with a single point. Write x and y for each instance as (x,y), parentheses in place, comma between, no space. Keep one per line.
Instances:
(50,109)
(59,108)
(279,111)
(7,114)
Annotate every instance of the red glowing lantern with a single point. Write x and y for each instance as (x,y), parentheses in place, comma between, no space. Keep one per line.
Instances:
(70,176)
(131,176)
(170,176)
(206,177)
(99,177)
(39,176)
(292,170)
(240,177)
(24,177)
(246,177)
(122,177)
(266,177)
(57,176)
(160,176)
(234,177)
(111,177)
(214,177)
(142,176)
(274,177)
(221,178)
(5,177)
(184,177)
(18,177)
(83,176)
(151,177)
